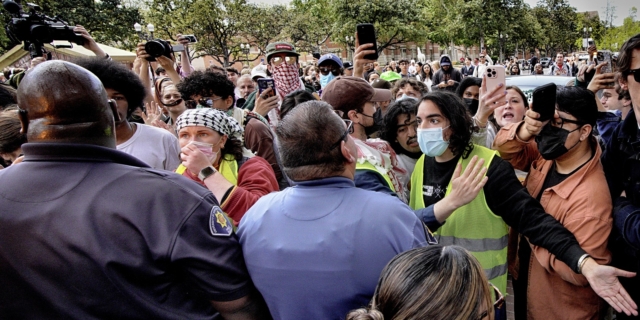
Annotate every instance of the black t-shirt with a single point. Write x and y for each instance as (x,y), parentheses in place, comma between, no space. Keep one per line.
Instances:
(552,179)
(435,179)
(88,233)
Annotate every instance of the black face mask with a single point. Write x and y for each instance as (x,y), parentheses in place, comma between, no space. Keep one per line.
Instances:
(472,104)
(377,123)
(551,142)
(173,104)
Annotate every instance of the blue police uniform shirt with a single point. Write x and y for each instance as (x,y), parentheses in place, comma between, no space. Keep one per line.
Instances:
(316,250)
(88,232)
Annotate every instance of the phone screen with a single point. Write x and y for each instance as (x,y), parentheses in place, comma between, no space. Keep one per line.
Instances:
(367,34)
(266,83)
(544,101)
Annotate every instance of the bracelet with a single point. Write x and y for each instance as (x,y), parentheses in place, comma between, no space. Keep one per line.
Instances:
(479,124)
(581,262)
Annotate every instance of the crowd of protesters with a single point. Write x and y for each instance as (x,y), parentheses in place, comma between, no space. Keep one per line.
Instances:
(346,190)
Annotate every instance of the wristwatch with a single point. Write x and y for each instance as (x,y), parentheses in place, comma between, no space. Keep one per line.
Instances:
(206,172)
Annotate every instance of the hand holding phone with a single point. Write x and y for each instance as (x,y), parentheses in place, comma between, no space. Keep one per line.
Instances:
(495,76)
(544,101)
(264,84)
(604,56)
(367,34)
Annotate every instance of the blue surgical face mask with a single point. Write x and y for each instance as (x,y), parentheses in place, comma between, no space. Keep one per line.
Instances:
(325,79)
(404,96)
(432,142)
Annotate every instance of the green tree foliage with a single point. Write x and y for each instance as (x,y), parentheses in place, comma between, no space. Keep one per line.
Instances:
(558,20)
(310,24)
(616,36)
(265,24)
(396,21)
(218,25)
(108,21)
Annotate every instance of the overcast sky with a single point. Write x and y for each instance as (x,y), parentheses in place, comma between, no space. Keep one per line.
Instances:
(622,6)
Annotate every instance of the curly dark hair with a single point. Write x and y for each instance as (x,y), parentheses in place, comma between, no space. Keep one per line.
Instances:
(389,130)
(460,123)
(293,99)
(116,76)
(415,84)
(233,147)
(205,84)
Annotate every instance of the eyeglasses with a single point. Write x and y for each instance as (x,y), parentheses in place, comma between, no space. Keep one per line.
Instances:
(560,122)
(346,133)
(276,61)
(325,70)
(636,74)
(496,305)
(481,57)
(208,101)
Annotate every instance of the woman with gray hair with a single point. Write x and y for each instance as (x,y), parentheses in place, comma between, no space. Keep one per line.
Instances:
(213,155)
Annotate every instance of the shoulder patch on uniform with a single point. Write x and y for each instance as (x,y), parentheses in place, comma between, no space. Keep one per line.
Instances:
(219,224)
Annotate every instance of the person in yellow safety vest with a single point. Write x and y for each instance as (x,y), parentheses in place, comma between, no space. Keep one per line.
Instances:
(469,209)
(213,155)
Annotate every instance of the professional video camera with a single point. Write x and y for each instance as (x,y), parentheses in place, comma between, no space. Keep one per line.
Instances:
(36,29)
(158,47)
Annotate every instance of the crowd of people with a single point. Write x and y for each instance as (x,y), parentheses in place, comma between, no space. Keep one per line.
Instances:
(345,190)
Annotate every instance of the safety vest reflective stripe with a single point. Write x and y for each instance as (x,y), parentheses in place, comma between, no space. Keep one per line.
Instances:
(473,226)
(368,166)
(496,271)
(475,244)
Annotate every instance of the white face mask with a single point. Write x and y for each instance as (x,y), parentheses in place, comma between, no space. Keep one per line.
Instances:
(432,142)
(405,96)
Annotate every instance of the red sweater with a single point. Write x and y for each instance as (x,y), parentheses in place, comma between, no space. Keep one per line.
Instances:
(255,179)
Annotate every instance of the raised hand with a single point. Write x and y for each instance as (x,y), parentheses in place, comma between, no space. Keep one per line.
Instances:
(489,101)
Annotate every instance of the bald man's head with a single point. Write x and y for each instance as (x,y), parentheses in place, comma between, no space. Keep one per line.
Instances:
(66,103)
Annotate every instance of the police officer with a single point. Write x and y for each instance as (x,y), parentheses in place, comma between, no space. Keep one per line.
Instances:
(89,232)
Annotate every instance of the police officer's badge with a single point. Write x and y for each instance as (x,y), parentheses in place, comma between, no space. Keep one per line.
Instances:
(219,224)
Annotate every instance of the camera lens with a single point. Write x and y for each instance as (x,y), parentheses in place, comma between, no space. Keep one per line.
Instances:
(493,73)
(155,48)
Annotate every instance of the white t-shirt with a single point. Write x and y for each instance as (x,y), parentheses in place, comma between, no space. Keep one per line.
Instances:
(154,146)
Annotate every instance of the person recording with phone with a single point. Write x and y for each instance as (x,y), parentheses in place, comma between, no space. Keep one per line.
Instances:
(282,65)
(565,175)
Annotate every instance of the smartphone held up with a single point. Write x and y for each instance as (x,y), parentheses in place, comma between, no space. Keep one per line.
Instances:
(367,34)
(544,101)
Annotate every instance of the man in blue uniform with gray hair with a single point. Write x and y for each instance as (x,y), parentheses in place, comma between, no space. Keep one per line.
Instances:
(316,250)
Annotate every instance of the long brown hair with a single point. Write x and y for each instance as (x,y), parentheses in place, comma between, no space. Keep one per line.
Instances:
(434,282)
